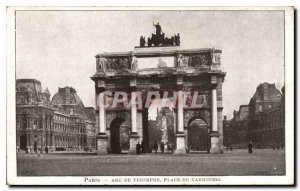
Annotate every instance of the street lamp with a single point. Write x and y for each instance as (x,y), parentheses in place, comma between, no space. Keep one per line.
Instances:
(208,131)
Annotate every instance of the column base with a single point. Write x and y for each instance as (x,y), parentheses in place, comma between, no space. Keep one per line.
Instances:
(102,144)
(134,138)
(180,144)
(214,140)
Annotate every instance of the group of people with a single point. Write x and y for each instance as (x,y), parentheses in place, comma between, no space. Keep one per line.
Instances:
(250,147)
(141,148)
(162,147)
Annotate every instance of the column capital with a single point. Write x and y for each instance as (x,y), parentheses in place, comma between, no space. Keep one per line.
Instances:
(133,82)
(179,82)
(213,82)
(213,79)
(213,86)
(101,136)
(100,83)
(134,134)
(214,134)
(179,79)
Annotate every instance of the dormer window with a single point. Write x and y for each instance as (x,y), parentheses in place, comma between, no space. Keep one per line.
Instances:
(260,108)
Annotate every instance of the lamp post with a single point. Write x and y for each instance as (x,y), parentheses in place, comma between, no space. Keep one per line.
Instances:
(208,141)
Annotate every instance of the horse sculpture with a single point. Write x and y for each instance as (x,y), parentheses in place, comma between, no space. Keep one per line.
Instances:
(159,39)
(156,40)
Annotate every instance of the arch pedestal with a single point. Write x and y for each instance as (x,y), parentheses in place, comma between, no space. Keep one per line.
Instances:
(180,144)
(102,144)
(215,145)
(134,138)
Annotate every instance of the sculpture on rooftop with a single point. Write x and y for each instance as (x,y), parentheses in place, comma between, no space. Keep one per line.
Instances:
(159,39)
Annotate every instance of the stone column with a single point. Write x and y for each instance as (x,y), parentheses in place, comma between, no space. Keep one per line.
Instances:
(214,121)
(180,137)
(133,110)
(134,137)
(133,133)
(102,128)
(101,137)
(214,134)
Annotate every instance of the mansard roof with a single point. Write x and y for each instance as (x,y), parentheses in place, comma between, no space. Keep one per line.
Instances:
(66,96)
(266,92)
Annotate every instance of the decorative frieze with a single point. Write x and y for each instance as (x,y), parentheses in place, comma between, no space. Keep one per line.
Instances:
(113,63)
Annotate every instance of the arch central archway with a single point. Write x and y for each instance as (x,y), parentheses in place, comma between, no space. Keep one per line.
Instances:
(161,123)
(198,136)
(119,136)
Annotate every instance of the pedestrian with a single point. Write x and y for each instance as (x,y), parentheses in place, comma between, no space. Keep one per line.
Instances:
(250,147)
(143,146)
(162,147)
(138,148)
(155,146)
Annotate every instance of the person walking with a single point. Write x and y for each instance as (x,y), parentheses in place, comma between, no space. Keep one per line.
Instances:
(138,148)
(143,146)
(155,147)
(250,147)
(162,147)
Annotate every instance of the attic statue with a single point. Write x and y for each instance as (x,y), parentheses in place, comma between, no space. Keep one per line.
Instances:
(159,39)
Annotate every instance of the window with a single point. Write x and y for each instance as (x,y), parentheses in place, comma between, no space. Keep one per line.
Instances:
(34,124)
(260,108)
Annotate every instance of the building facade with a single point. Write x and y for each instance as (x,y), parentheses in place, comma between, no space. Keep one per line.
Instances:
(262,121)
(60,124)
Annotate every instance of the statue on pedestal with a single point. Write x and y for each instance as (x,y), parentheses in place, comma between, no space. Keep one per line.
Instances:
(182,60)
(134,64)
(158,28)
(142,41)
(159,39)
(177,40)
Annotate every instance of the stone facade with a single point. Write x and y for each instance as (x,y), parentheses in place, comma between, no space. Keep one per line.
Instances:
(262,121)
(44,125)
(163,69)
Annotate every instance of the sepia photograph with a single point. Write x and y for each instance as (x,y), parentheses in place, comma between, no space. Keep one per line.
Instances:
(150,96)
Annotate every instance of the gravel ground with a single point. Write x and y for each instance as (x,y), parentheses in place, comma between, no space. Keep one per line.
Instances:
(233,163)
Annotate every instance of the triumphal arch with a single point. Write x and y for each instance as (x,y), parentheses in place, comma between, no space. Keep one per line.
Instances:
(127,82)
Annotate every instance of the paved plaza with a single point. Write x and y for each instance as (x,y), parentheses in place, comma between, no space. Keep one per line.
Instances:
(234,163)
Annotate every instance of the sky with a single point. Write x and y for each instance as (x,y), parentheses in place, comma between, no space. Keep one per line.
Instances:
(58,47)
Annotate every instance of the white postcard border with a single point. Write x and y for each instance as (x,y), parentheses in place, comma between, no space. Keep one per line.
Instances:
(288,179)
